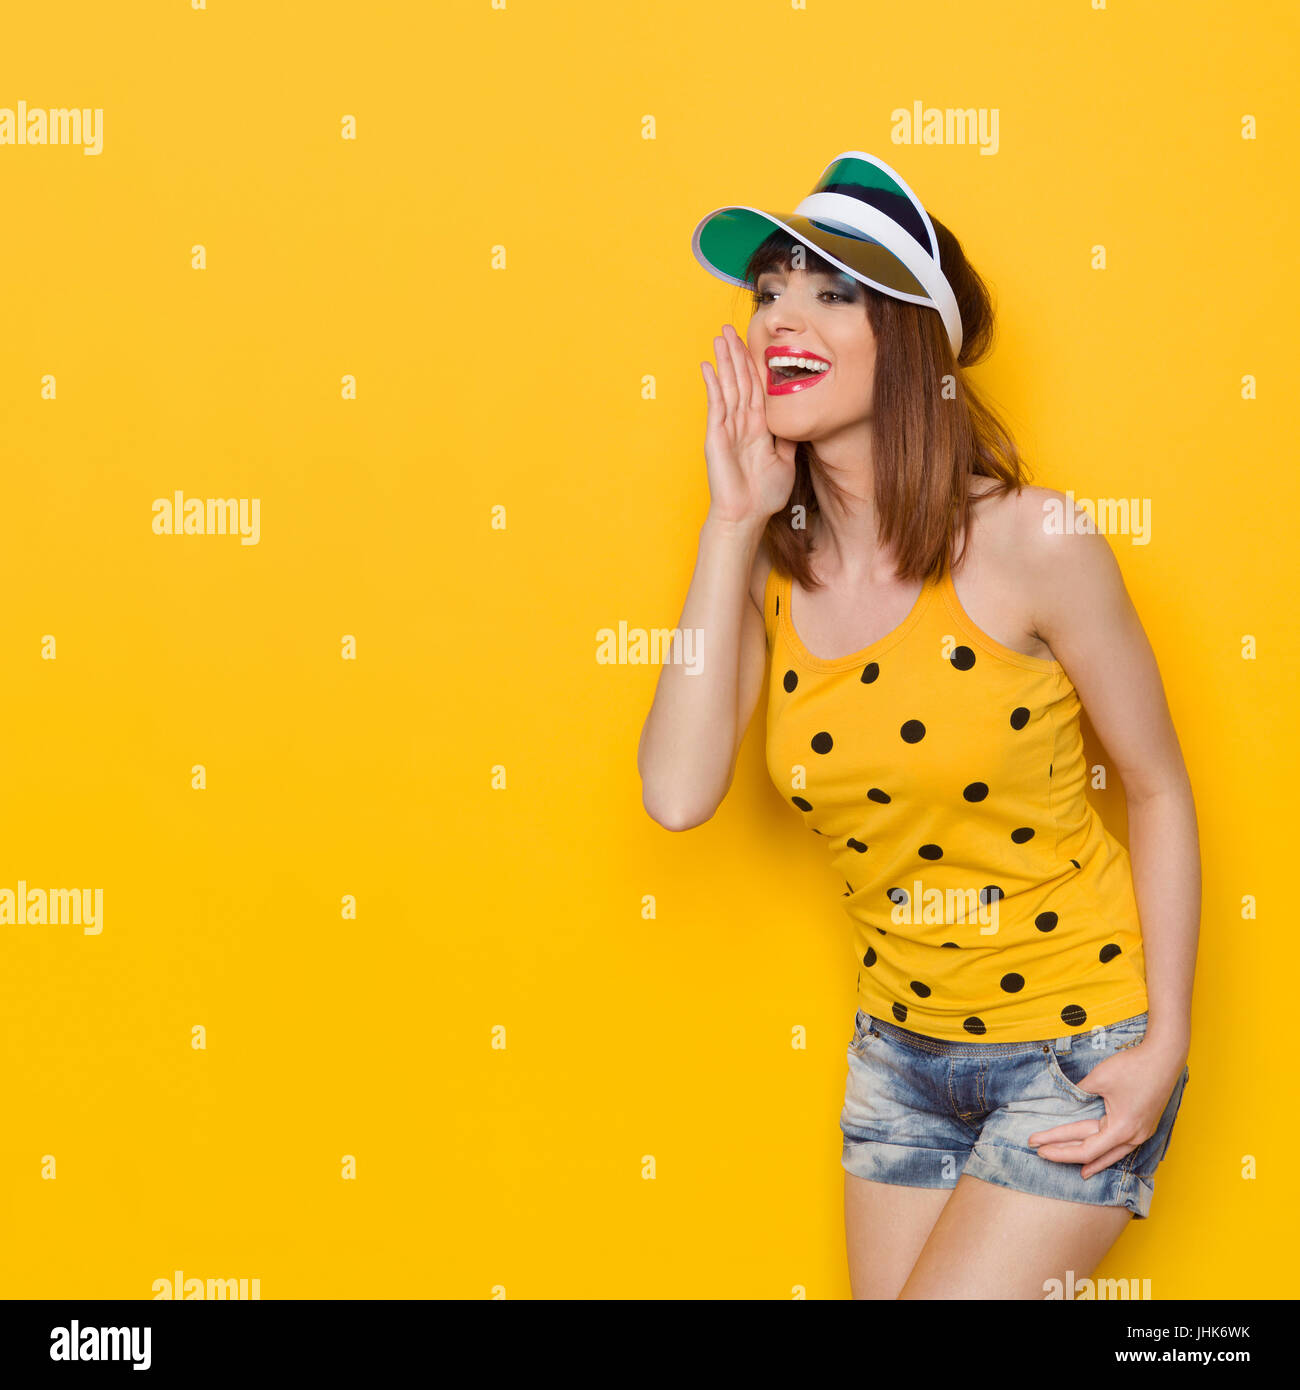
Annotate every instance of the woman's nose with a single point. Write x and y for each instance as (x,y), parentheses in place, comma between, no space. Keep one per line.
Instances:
(787,313)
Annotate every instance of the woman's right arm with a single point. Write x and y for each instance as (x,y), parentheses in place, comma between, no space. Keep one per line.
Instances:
(689,744)
(688,747)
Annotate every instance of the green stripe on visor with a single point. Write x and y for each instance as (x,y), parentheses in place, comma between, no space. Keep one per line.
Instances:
(858,178)
(859,172)
(728,239)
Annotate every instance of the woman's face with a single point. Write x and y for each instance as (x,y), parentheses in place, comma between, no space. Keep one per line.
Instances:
(812,313)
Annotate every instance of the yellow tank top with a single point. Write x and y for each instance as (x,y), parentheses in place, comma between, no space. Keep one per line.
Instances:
(945,773)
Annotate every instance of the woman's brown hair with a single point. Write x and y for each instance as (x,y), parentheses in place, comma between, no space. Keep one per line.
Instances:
(931,428)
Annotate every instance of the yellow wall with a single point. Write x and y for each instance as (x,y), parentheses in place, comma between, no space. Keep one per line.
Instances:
(521,388)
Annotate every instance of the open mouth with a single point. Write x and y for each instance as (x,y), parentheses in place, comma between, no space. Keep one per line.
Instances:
(793,370)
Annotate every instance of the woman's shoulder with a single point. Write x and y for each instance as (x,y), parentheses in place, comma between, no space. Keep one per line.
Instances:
(1017,527)
(1040,544)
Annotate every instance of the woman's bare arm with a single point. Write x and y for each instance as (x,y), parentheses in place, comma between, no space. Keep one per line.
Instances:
(688,746)
(1084,613)
(687,753)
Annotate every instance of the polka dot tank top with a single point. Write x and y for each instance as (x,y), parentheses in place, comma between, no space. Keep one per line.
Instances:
(945,774)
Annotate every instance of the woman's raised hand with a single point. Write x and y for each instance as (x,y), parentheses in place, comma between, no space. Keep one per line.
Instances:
(751,472)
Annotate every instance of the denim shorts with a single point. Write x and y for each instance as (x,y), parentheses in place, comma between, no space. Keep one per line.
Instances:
(920,1111)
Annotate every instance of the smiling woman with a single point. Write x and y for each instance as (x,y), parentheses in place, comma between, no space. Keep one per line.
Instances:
(1015,1070)
(904,376)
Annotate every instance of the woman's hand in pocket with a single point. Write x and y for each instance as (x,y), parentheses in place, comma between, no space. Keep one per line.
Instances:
(1135,1084)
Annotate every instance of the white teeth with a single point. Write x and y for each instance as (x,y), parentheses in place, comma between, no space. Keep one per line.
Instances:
(809,363)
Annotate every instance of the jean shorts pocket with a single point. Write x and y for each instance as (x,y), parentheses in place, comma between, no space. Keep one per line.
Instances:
(1080,1061)
(863,1036)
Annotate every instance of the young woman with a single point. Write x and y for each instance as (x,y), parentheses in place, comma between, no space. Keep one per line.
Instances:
(930,627)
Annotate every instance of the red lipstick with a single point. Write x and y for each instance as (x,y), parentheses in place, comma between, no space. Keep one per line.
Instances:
(777,386)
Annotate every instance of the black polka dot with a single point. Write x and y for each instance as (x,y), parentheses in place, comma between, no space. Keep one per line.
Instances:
(900,1012)
(1045,921)
(913,731)
(1049,769)
(991,894)
(1073,1016)
(790,680)
(875,794)
(896,895)
(919,989)
(951,945)
(870,672)
(975,1025)
(870,958)
(881,930)
(930,852)
(1019,717)
(802,805)
(1108,952)
(1076,863)
(1021,835)
(1012,983)
(962,658)
(856,844)
(976,791)
(821,743)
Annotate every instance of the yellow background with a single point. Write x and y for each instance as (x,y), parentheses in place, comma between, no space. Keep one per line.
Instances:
(520,388)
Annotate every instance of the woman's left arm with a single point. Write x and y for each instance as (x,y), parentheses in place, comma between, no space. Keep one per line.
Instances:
(1084,613)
